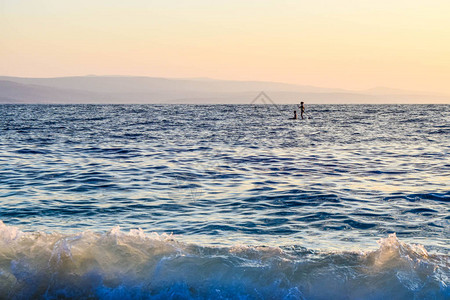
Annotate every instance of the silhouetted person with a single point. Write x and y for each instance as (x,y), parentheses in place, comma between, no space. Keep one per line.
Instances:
(302,109)
(295,115)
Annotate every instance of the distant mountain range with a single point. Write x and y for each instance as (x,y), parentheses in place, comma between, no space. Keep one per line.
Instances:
(127,89)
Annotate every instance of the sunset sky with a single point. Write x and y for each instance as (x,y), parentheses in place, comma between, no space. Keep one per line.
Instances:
(341,44)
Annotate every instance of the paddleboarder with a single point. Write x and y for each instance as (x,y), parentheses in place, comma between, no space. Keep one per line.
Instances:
(302,110)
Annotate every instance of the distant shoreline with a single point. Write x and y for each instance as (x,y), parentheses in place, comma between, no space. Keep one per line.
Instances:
(148,90)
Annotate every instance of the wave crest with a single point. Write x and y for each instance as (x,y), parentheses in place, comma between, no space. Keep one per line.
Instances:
(118,265)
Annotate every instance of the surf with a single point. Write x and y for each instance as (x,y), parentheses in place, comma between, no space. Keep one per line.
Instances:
(139,265)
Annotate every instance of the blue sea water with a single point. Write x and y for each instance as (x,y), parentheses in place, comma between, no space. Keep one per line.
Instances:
(224,201)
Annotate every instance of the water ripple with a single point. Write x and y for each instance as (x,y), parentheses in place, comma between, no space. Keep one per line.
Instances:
(233,173)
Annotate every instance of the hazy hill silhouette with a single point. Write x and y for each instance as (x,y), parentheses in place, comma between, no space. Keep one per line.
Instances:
(127,89)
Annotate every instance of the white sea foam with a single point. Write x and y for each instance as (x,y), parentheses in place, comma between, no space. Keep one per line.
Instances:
(118,265)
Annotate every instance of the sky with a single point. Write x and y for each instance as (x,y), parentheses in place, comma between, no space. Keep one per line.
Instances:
(327,43)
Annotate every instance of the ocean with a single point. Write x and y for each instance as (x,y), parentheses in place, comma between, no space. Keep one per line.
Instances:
(224,202)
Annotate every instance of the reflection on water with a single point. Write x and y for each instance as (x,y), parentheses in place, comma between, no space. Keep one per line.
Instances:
(229,174)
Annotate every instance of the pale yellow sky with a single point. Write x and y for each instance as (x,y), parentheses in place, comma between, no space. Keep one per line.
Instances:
(342,44)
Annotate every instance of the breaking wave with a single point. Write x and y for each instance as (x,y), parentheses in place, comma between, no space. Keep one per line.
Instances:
(137,265)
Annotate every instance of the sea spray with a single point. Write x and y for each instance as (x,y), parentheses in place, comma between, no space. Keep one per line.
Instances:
(136,265)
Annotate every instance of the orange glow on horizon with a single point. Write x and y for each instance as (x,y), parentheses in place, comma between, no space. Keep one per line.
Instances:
(351,45)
